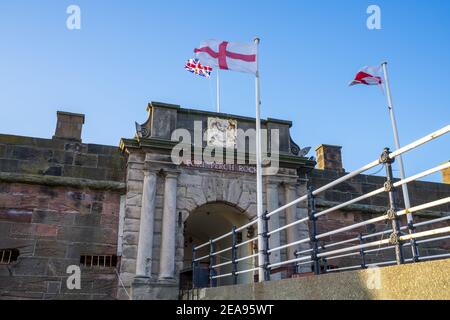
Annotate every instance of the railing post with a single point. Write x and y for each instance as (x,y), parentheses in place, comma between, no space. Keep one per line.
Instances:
(266,246)
(234,256)
(297,266)
(362,253)
(194,267)
(212,261)
(414,245)
(392,211)
(324,260)
(313,230)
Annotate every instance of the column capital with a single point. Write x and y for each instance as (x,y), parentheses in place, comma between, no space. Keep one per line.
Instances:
(290,185)
(151,171)
(171,174)
(273,181)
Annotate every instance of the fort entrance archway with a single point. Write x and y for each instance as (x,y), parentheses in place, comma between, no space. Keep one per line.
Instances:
(210,221)
(172,206)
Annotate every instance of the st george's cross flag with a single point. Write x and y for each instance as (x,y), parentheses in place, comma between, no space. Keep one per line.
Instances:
(194,66)
(368,76)
(226,55)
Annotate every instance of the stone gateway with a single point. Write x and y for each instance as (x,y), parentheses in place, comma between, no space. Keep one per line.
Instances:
(170,208)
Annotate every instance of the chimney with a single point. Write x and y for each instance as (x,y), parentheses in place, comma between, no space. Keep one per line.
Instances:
(69,126)
(329,158)
(446,175)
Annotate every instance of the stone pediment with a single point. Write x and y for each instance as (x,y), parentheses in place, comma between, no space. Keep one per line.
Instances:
(219,128)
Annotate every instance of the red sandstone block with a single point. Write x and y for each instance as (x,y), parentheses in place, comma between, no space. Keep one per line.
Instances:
(45,230)
(111,208)
(13,215)
(22,229)
(109,221)
(109,236)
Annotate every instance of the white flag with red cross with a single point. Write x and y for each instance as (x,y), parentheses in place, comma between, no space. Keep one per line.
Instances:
(226,55)
(369,76)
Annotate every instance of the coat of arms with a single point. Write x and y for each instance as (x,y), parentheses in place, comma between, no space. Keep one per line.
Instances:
(222,132)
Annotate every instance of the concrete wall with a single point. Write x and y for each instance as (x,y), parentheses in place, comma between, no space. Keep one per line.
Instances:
(425,280)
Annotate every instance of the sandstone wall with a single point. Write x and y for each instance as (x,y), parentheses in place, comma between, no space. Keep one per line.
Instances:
(59,199)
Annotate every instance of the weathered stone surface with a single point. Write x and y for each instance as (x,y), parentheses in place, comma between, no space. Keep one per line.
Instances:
(131,225)
(134,186)
(197,195)
(13,215)
(30,266)
(86,160)
(430,283)
(246,199)
(234,191)
(88,220)
(131,238)
(44,180)
(130,251)
(8,165)
(2,150)
(54,287)
(50,248)
(150,290)
(128,266)
(133,212)
(87,234)
(137,175)
(134,199)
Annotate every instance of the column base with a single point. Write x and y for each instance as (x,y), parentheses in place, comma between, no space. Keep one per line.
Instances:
(144,288)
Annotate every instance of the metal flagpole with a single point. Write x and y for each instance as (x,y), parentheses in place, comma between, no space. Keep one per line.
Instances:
(218,91)
(259,203)
(397,145)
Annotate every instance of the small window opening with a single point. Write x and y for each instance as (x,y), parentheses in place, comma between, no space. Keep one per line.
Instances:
(105,261)
(8,256)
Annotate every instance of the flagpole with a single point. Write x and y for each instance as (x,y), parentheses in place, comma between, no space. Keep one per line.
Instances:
(397,145)
(218,91)
(259,198)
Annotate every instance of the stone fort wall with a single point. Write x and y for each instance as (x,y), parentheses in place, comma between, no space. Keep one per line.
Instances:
(60,199)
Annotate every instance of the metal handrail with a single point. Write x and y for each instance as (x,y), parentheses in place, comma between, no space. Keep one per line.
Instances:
(346,251)
(381,190)
(380,242)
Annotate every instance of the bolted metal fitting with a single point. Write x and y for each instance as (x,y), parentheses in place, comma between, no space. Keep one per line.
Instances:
(392,214)
(388,186)
(394,238)
(384,158)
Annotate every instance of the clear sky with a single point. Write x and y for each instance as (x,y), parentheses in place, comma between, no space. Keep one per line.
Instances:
(128,53)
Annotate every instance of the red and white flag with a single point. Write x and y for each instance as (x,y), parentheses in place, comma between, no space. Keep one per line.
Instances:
(228,55)
(369,76)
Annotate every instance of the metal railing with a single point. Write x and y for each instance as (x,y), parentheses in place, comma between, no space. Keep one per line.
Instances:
(319,254)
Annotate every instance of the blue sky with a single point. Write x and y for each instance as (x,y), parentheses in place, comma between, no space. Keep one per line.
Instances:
(130,53)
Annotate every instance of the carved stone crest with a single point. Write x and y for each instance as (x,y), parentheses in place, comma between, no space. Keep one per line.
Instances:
(222,132)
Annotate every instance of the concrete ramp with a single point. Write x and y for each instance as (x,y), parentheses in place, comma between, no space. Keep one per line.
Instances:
(425,280)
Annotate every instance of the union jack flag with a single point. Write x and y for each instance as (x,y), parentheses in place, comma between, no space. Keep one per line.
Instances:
(194,66)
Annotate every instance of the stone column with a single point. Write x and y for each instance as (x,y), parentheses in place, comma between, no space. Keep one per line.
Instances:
(290,193)
(167,258)
(274,222)
(145,245)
